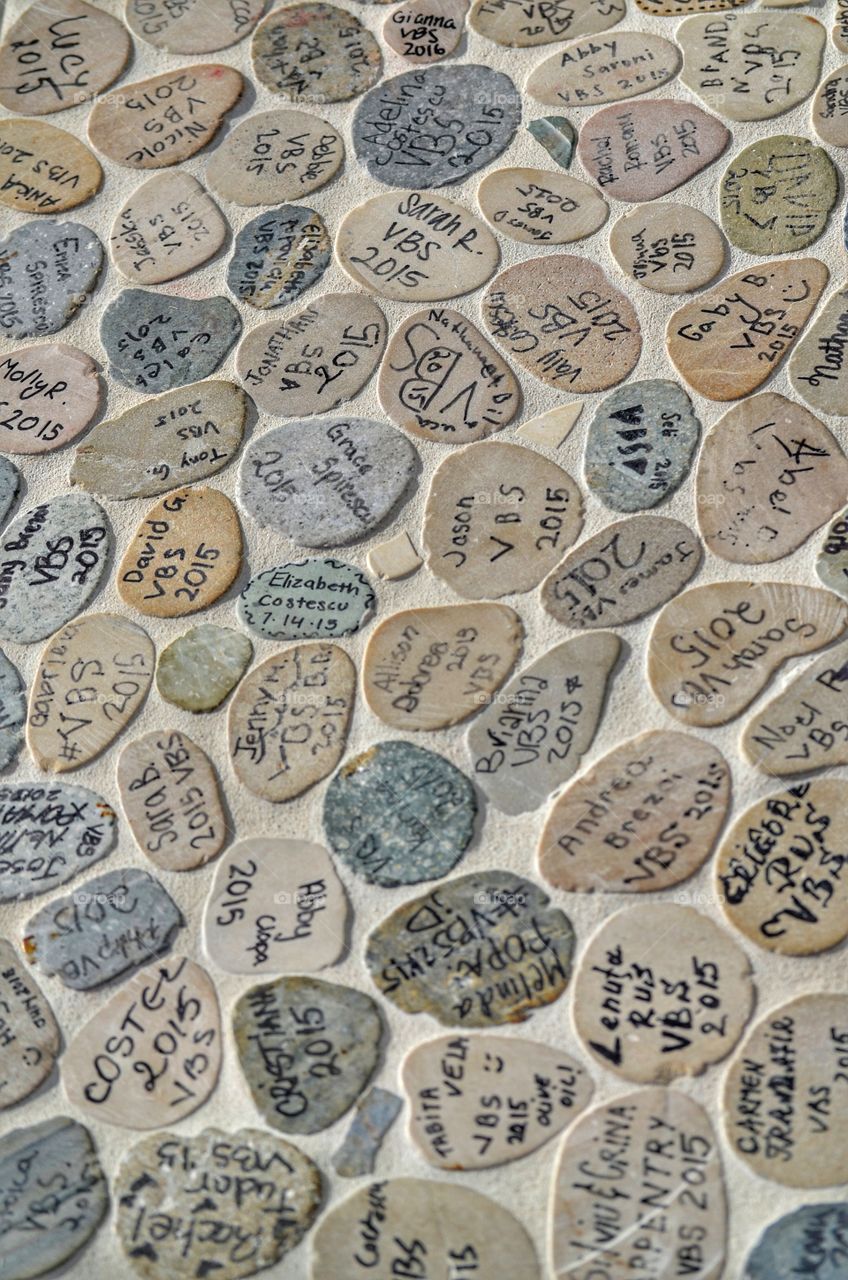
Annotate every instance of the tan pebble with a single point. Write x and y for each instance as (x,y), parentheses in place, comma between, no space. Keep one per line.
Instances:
(315,53)
(58,54)
(275,156)
(537,206)
(818,368)
(44,169)
(536,22)
(552,428)
(396,558)
(802,728)
(193,26)
(670,248)
(50,394)
(593,71)
(167,227)
(425,31)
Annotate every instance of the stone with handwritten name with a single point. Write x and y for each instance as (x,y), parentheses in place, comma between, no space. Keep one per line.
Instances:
(375,1113)
(44,169)
(818,368)
(168,226)
(48,394)
(13,711)
(47,270)
(315,53)
(777,194)
(51,832)
(839,30)
(403,142)
(171,800)
(727,342)
(58,54)
(156,342)
(193,26)
(200,669)
(275,156)
(90,680)
(538,206)
(558,137)
(673,8)
(830,108)
(275,906)
(535,22)
(667,247)
(277,256)
(803,728)
(29,1032)
(810,1241)
(306,600)
(424,31)
(591,72)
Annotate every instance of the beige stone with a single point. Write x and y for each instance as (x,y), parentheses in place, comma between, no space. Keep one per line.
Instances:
(818,368)
(538,206)
(590,72)
(396,558)
(44,169)
(536,22)
(667,247)
(552,428)
(839,30)
(193,26)
(29,1032)
(167,227)
(275,156)
(673,8)
(58,54)
(48,395)
(315,53)
(805,726)
(425,31)
(777,194)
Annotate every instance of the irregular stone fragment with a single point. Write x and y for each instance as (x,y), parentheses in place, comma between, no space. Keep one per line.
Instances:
(535,22)
(423,31)
(199,669)
(777,194)
(661,991)
(289,720)
(195,26)
(667,247)
(375,1114)
(278,256)
(170,797)
(315,53)
(306,600)
(275,156)
(809,1239)
(50,394)
(167,227)
(590,72)
(498,951)
(152,1053)
(13,711)
(803,727)
(44,169)
(53,832)
(58,54)
(552,428)
(47,270)
(536,206)
(30,1034)
(818,368)
(557,135)
(156,342)
(396,558)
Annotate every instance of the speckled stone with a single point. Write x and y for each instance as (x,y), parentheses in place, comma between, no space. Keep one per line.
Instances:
(58,54)
(777,194)
(538,206)
(801,729)
(818,369)
(50,394)
(167,227)
(10,483)
(591,72)
(832,560)
(277,256)
(536,22)
(199,669)
(12,711)
(47,270)
(74,824)
(275,156)
(557,135)
(306,600)
(30,1033)
(156,342)
(809,1242)
(193,26)
(666,247)
(315,53)
(44,169)
(839,30)
(375,1114)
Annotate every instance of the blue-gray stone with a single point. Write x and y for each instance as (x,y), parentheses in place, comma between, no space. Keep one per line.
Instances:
(278,255)
(13,711)
(49,833)
(811,1242)
(305,600)
(156,342)
(10,483)
(47,270)
(375,1115)
(557,135)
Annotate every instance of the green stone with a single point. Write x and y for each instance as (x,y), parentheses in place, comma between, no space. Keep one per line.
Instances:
(199,669)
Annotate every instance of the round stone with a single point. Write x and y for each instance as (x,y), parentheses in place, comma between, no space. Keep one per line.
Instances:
(809,1241)
(31,1037)
(306,600)
(669,248)
(47,271)
(44,169)
(839,30)
(589,72)
(536,206)
(536,22)
(50,394)
(13,711)
(275,156)
(278,256)
(58,54)
(199,669)
(423,31)
(829,117)
(818,369)
(167,227)
(315,53)
(777,194)
(10,483)
(75,824)
(802,728)
(193,26)
(156,342)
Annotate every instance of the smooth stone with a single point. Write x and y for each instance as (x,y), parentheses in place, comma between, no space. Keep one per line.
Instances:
(498,518)
(185,554)
(55,831)
(432,668)
(668,248)
(282,484)
(278,256)
(171,800)
(839,30)
(803,728)
(497,950)
(275,156)
(683,993)
(537,206)
(51,394)
(397,814)
(175,439)
(777,194)
(65,728)
(47,271)
(13,711)
(416,247)
(312,361)
(329,1038)
(275,906)
(644,817)
(799,1045)
(673,8)
(595,341)
(213,1203)
(809,1241)
(58,54)
(769,475)
(718,342)
(199,669)
(818,368)
(423,31)
(551,429)
(31,1038)
(713,649)
(398,116)
(535,22)
(591,72)
(751,66)
(156,342)
(661,1128)
(395,558)
(160,1033)
(456,1086)
(315,53)
(10,483)
(193,26)
(832,560)
(54,1195)
(289,720)
(166,119)
(107,926)
(329,598)
(167,227)
(44,169)
(375,1114)
(557,135)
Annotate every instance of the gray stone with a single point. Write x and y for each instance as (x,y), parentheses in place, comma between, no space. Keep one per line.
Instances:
(307,1049)
(326,483)
(557,136)
(808,1242)
(403,141)
(12,711)
(315,53)
(306,600)
(198,670)
(832,560)
(107,926)
(278,255)
(53,558)
(375,1115)
(156,342)
(10,483)
(49,832)
(29,1033)
(640,444)
(47,269)
(399,814)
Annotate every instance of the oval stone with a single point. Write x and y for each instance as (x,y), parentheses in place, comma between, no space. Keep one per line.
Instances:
(829,117)
(536,22)
(167,227)
(278,256)
(643,818)
(315,53)
(562,321)
(667,247)
(31,1037)
(58,54)
(673,8)
(12,711)
(795,181)
(818,368)
(156,342)
(808,1241)
(588,73)
(803,727)
(289,720)
(51,392)
(832,560)
(536,206)
(194,26)
(47,271)
(199,669)
(44,169)
(75,826)
(839,30)
(306,600)
(423,31)
(558,137)
(275,156)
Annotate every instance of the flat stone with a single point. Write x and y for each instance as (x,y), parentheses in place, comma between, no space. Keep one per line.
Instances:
(424,31)
(50,394)
(498,518)
(278,256)
(185,554)
(673,8)
(714,648)
(156,342)
(275,906)
(47,270)
(398,814)
(718,343)
(590,72)
(646,816)
(682,993)
(777,194)
(376,1112)
(818,369)
(275,156)
(315,53)
(41,1229)
(227,1204)
(552,428)
(839,30)
(381,245)
(315,359)
(801,728)
(536,206)
(396,558)
(289,720)
(31,1038)
(594,340)
(199,669)
(194,26)
(769,474)
(168,226)
(174,439)
(832,560)
(396,119)
(160,1033)
(58,54)
(10,483)
(809,1239)
(54,831)
(306,600)
(69,724)
(805,1039)
(327,483)
(662,1128)
(431,668)
(166,119)
(13,711)
(328,1038)
(751,66)
(44,169)
(669,248)
(557,135)
(535,22)
(171,800)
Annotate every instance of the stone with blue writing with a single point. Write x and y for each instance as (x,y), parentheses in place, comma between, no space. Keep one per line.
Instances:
(818,367)
(315,53)
(51,831)
(10,483)
(278,256)
(29,1033)
(809,1242)
(306,600)
(12,711)
(156,342)
(47,271)
(776,195)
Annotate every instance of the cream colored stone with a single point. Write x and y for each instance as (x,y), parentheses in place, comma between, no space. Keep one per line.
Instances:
(803,727)
(673,8)
(396,558)
(167,227)
(29,1032)
(58,54)
(539,206)
(552,428)
(315,53)
(48,395)
(425,31)
(611,68)
(667,247)
(839,30)
(192,26)
(830,108)
(818,368)
(44,169)
(275,156)
(832,560)
(535,22)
